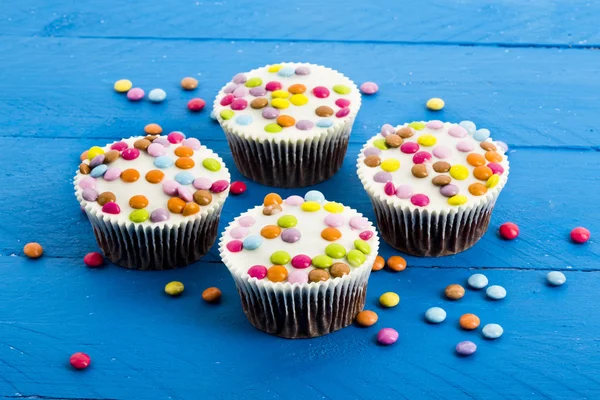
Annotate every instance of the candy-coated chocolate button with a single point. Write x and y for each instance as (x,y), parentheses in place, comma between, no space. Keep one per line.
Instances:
(366,318)
(226,114)
(190,208)
(341,89)
(477,189)
(337,270)
(270,231)
(189,83)
(318,275)
(335,250)
(184,151)
(310,206)
(372,161)
(457,200)
(509,230)
(106,197)
(286,121)
(258,103)
(253,82)
(322,261)
(130,175)
(435,104)
(380,144)
(469,321)
(363,246)
(111,208)
(80,360)
(580,234)
(235,246)
(466,348)
(141,144)
(427,140)
(253,242)
(33,250)
(211,295)
(273,128)
(298,99)
(324,111)
(291,235)
(396,263)
(441,166)
(273,86)
(393,141)
(419,171)
(417,125)
(441,180)
(274,68)
(280,103)
(495,292)
(321,92)
(98,171)
(272,209)
(297,88)
(280,94)
(454,291)
(492,156)
(488,146)
(202,197)
(390,165)
(123,85)
(459,172)
(482,172)
(389,299)
(257,271)
(355,257)
(138,201)
(272,198)
(211,164)
(185,163)
(435,315)
(287,221)
(280,257)
(277,273)
(331,234)
(475,159)
(154,176)
(333,207)
(492,181)
(153,129)
(405,132)
(421,157)
(378,264)
(139,215)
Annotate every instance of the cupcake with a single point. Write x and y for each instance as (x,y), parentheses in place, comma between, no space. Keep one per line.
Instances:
(288,124)
(301,265)
(154,202)
(433,185)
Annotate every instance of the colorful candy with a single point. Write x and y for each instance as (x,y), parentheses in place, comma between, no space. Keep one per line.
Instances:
(33,250)
(396,263)
(389,299)
(466,348)
(435,315)
(556,278)
(318,275)
(435,104)
(174,288)
(122,85)
(211,295)
(509,230)
(189,83)
(387,336)
(580,235)
(80,360)
(157,95)
(366,318)
(469,321)
(492,331)
(454,291)
(478,281)
(93,259)
(496,292)
(135,94)
(369,88)
(378,264)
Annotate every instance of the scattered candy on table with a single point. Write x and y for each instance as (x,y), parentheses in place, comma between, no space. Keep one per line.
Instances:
(189,83)
(237,188)
(80,360)
(469,321)
(135,94)
(435,315)
(492,331)
(477,281)
(93,259)
(509,230)
(396,263)
(466,348)
(580,235)
(556,278)
(369,88)
(496,292)
(33,250)
(366,318)
(387,336)
(454,291)
(123,85)
(435,104)
(211,295)
(196,104)
(389,299)
(157,95)
(378,264)
(174,288)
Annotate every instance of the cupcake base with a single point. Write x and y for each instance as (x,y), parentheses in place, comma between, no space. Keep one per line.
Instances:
(288,164)
(424,234)
(155,248)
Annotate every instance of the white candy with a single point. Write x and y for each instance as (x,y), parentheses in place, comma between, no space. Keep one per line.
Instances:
(556,278)
(435,315)
(496,292)
(492,331)
(478,281)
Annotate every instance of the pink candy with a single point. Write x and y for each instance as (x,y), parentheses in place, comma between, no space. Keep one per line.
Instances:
(111,208)
(404,191)
(342,103)
(238,232)
(387,336)
(246,221)
(130,154)
(192,143)
(219,186)
(357,222)
(421,157)
(334,220)
(230,88)
(185,194)
(135,94)
(273,85)
(441,151)
(87,183)
(235,246)
(457,131)
(227,99)
(321,92)
(170,187)
(389,189)
(257,271)
(156,150)
(175,137)
(112,174)
(301,261)
(409,147)
(119,146)
(298,277)
(240,92)
(366,235)
(495,167)
(419,200)
(239,104)
(202,183)
(369,88)
(294,200)
(435,124)
(465,145)
(343,112)
(387,129)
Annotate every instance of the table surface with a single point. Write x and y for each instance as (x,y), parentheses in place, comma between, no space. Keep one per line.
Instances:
(528,71)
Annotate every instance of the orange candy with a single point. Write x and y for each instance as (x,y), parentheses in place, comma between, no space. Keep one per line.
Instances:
(33,250)
(396,263)
(454,291)
(271,199)
(184,151)
(184,163)
(366,318)
(331,234)
(130,175)
(477,189)
(297,88)
(378,264)
(469,321)
(483,172)
(84,156)
(277,273)
(492,156)
(176,205)
(190,208)
(270,231)
(476,159)
(154,176)
(153,129)
(286,121)
(138,201)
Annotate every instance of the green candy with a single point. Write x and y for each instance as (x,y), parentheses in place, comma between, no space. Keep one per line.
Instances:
(322,261)
(227,114)
(341,89)
(211,164)
(362,246)
(335,250)
(273,128)
(380,144)
(253,82)
(280,257)
(287,221)
(139,215)
(355,257)
(417,125)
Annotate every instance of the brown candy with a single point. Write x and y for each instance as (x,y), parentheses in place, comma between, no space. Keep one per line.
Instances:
(258,103)
(372,161)
(488,146)
(150,138)
(393,140)
(338,270)
(211,295)
(84,168)
(106,197)
(324,111)
(153,129)
(141,144)
(202,197)
(189,83)
(419,171)
(405,132)
(441,166)
(111,156)
(318,275)
(272,209)
(454,291)
(441,180)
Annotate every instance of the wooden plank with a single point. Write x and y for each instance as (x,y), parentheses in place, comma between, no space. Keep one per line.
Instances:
(145,345)
(41,207)
(467,22)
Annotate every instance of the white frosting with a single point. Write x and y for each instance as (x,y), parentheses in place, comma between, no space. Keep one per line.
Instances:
(310,225)
(319,76)
(404,176)
(155,194)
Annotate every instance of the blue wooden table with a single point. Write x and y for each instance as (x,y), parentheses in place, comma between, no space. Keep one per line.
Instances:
(528,71)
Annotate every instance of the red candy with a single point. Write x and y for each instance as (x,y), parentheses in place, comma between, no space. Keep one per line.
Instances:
(342,103)
(321,92)
(175,137)
(130,154)
(237,188)
(509,230)
(409,147)
(219,186)
(119,146)
(196,104)
(421,157)
(580,235)
(343,112)
(273,86)
(389,189)
(227,100)
(235,246)
(239,104)
(80,360)
(93,260)
(366,235)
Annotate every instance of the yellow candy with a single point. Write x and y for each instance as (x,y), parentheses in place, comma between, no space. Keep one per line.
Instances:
(457,200)
(492,181)
(427,140)
(417,126)
(280,103)
(94,151)
(390,165)
(123,85)
(299,99)
(274,67)
(174,288)
(459,172)
(389,299)
(435,104)
(334,207)
(310,206)
(280,94)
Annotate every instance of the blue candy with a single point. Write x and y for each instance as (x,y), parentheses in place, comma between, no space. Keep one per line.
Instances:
(157,95)
(435,315)
(469,126)
(99,171)
(314,195)
(184,178)
(252,242)
(324,123)
(481,134)
(163,161)
(287,71)
(243,120)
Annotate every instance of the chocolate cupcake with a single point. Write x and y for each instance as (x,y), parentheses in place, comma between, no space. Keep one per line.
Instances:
(288,124)
(154,202)
(433,185)
(301,265)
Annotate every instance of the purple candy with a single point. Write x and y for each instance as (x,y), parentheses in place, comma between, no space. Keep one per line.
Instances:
(457,131)
(219,186)
(304,125)
(170,187)
(257,271)
(465,145)
(119,146)
(291,235)
(192,143)
(156,149)
(241,91)
(419,200)
(112,174)
(387,336)
(99,159)
(495,167)
(421,157)
(409,147)
(87,182)
(298,277)
(466,348)
(449,190)
(270,113)
(246,221)
(441,151)
(435,124)
(159,215)
(301,261)
(372,151)
(369,88)
(334,220)
(202,183)
(357,222)
(185,194)
(258,91)
(239,78)
(389,189)
(235,246)
(366,235)
(387,129)
(239,232)
(89,194)
(230,88)
(382,177)
(294,200)
(302,70)
(404,191)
